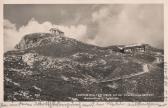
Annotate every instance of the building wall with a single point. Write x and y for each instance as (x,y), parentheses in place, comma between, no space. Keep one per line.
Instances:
(134,49)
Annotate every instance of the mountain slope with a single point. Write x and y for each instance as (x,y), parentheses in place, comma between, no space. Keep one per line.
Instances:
(55,68)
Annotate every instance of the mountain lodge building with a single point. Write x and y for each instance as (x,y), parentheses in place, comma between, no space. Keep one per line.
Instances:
(56,32)
(133,48)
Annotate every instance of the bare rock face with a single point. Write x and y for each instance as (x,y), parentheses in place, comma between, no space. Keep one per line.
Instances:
(32,40)
(54,68)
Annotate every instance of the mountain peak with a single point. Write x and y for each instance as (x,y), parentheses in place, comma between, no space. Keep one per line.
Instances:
(52,44)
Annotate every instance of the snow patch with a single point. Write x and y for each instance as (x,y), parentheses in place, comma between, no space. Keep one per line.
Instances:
(37,88)
(14,83)
(29,58)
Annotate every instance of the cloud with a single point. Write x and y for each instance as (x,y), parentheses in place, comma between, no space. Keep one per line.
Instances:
(129,24)
(101,14)
(12,36)
(105,25)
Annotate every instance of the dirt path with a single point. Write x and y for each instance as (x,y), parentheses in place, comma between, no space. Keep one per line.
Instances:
(145,70)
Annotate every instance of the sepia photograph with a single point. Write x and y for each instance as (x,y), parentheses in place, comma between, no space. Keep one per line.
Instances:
(83,52)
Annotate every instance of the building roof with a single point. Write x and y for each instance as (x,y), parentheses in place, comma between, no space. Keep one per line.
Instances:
(131,46)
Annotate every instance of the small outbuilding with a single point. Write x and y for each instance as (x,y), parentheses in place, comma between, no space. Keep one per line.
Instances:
(56,32)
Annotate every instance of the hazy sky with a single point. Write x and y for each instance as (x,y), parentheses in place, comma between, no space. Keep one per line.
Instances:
(102,25)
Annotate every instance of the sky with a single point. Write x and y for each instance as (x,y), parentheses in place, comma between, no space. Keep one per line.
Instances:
(98,24)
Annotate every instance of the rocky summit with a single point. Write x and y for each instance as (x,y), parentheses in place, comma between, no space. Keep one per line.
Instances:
(45,67)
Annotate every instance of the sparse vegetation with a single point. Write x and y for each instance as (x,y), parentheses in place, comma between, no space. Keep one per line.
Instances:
(50,68)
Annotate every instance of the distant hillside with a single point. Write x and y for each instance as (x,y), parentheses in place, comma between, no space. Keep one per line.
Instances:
(56,68)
